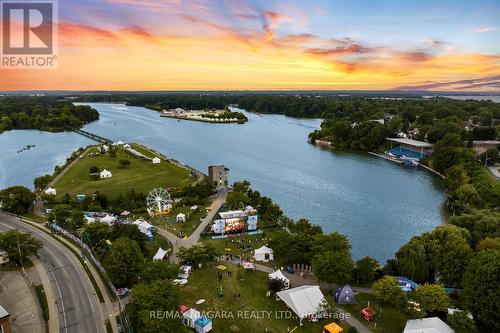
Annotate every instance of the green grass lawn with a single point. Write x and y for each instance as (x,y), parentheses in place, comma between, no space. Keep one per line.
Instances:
(140,175)
(252,286)
(388,318)
(192,220)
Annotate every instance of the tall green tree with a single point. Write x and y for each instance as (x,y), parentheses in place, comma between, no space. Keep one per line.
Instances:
(412,261)
(387,290)
(123,262)
(461,323)
(16,199)
(14,242)
(333,267)
(365,270)
(151,271)
(432,297)
(480,293)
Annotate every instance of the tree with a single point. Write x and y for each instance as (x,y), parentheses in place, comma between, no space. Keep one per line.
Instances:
(488,244)
(160,295)
(489,157)
(432,297)
(122,262)
(197,254)
(461,323)
(97,232)
(94,172)
(466,194)
(151,271)
(304,226)
(387,290)
(124,163)
(412,261)
(14,241)
(455,177)
(236,200)
(42,182)
(333,267)
(16,199)
(275,285)
(365,270)
(480,293)
(480,223)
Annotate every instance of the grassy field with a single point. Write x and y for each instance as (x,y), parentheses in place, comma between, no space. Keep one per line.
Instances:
(192,220)
(140,175)
(252,286)
(388,318)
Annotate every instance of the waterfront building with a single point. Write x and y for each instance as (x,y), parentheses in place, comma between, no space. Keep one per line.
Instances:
(410,148)
(218,176)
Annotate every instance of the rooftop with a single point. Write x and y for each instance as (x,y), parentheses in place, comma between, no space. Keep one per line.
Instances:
(411,142)
(3,312)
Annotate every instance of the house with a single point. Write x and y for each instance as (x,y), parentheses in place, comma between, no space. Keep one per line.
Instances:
(4,320)
(156,160)
(264,254)
(50,191)
(427,325)
(105,174)
(304,301)
(180,218)
(4,257)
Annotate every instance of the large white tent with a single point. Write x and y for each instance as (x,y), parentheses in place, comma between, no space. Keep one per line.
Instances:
(427,325)
(160,254)
(108,219)
(304,301)
(278,275)
(264,254)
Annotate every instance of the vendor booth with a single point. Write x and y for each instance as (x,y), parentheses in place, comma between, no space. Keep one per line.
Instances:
(264,254)
(278,275)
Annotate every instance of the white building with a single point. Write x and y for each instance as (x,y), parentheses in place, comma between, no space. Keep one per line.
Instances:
(180,218)
(105,174)
(156,160)
(50,191)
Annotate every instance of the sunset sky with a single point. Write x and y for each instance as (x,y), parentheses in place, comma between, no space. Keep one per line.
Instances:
(272,45)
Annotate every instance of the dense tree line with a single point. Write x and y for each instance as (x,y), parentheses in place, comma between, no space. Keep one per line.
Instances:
(43,113)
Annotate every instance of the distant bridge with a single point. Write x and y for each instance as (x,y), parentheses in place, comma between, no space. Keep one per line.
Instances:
(92,136)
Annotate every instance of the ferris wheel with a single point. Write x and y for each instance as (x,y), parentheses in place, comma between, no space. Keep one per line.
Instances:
(158,201)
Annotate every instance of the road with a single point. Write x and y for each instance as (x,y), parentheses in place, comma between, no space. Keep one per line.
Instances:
(78,307)
(177,242)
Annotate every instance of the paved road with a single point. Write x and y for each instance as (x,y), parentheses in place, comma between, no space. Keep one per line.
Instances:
(79,309)
(177,242)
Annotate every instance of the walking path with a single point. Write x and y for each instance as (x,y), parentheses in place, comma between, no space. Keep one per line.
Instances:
(177,242)
(296,281)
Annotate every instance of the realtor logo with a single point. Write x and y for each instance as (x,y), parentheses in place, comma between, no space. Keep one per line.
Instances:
(29,34)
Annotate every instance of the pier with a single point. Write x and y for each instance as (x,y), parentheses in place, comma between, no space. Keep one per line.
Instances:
(92,136)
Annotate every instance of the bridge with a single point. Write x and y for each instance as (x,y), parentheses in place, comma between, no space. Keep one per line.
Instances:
(92,136)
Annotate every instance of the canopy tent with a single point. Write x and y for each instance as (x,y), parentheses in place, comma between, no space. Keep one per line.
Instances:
(183,308)
(203,325)
(278,275)
(304,301)
(332,328)
(248,265)
(160,254)
(345,295)
(108,219)
(50,191)
(125,213)
(190,316)
(180,218)
(264,254)
(427,325)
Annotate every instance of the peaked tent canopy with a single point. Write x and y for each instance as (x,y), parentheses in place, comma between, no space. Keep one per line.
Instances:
(304,301)
(427,325)
(345,295)
(160,254)
(263,254)
(279,276)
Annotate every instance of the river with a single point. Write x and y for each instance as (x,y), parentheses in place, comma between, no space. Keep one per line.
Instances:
(377,204)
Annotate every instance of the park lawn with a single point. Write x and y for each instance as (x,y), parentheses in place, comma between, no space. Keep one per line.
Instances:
(192,220)
(252,286)
(388,318)
(140,175)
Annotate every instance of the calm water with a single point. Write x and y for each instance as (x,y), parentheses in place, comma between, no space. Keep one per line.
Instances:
(377,204)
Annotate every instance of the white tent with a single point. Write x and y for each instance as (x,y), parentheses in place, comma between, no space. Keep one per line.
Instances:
(156,160)
(108,219)
(278,275)
(160,254)
(105,174)
(51,191)
(264,254)
(304,301)
(190,316)
(427,325)
(181,218)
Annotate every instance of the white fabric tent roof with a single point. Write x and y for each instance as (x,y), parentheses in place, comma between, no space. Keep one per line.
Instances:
(192,314)
(263,249)
(108,219)
(160,254)
(304,300)
(278,275)
(427,325)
